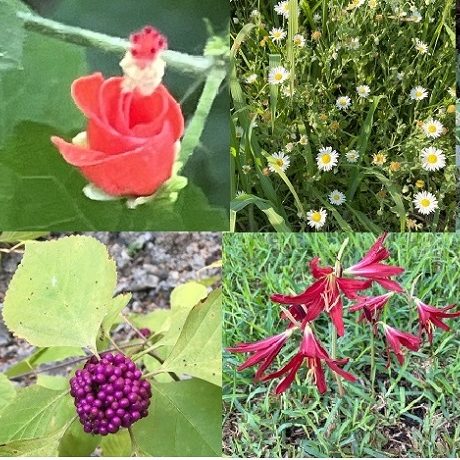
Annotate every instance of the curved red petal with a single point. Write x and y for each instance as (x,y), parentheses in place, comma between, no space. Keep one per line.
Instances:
(85,93)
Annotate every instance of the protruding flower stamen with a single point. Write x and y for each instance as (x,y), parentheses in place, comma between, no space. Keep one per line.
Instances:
(142,65)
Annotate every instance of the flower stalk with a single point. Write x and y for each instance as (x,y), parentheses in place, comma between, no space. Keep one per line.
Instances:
(87,38)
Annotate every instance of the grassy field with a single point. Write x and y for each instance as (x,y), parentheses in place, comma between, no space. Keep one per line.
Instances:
(414,412)
(330,49)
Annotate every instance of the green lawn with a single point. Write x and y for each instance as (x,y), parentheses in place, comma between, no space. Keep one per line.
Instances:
(415,410)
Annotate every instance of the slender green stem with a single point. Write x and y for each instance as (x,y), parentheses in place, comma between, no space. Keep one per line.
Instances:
(83,37)
(373,364)
(334,356)
(196,126)
(71,362)
(135,451)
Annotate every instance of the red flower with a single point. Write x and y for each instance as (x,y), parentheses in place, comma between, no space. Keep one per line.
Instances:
(323,295)
(396,339)
(370,267)
(132,134)
(264,351)
(371,306)
(431,316)
(313,352)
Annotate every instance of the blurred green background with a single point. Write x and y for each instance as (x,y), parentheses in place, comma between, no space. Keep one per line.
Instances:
(39,92)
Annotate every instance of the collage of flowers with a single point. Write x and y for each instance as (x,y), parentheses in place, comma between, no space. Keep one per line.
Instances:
(230,228)
(344,114)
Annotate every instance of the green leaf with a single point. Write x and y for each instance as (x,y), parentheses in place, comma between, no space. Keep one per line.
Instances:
(7,391)
(114,310)
(11,34)
(275,219)
(35,413)
(185,420)
(41,356)
(157,321)
(37,447)
(76,443)
(183,299)
(40,91)
(117,445)
(53,382)
(60,293)
(16,237)
(198,349)
(153,365)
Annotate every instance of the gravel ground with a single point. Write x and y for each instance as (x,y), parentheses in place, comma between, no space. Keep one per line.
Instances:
(149,266)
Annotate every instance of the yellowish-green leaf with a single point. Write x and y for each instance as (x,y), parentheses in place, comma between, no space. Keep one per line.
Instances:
(60,293)
(198,349)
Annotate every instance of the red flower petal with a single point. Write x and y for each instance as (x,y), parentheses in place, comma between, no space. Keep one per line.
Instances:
(137,172)
(85,93)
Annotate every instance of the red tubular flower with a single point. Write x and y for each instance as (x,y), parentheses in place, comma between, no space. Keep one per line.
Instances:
(313,352)
(323,295)
(371,306)
(134,124)
(370,267)
(431,316)
(264,351)
(396,339)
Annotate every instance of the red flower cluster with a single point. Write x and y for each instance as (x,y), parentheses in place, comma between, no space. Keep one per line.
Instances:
(326,294)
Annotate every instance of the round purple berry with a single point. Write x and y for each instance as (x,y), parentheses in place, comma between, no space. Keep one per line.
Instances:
(109,393)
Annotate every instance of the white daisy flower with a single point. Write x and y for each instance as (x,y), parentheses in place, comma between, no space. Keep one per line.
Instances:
(337,198)
(316,17)
(432,128)
(303,139)
(343,102)
(421,47)
(326,159)
(299,40)
(418,93)
(251,78)
(282,8)
(239,193)
(352,156)
(363,90)
(279,159)
(316,219)
(277,34)
(278,75)
(425,202)
(433,159)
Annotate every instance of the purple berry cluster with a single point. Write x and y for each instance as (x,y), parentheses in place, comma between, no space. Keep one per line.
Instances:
(109,393)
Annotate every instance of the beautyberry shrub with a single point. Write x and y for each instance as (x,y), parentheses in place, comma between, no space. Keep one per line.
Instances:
(110,393)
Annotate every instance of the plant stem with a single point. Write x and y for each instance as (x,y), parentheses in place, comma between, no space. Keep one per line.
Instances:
(83,37)
(334,355)
(73,361)
(373,366)
(134,446)
(338,273)
(196,125)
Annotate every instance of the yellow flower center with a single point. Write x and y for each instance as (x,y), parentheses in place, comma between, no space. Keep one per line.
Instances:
(316,217)
(432,158)
(419,94)
(432,129)
(326,158)
(425,202)
(279,162)
(278,76)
